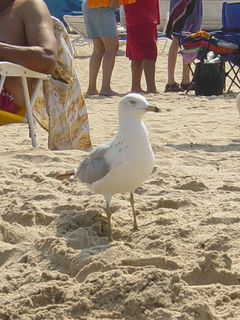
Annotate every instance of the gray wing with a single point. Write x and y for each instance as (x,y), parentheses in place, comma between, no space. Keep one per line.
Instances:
(94,167)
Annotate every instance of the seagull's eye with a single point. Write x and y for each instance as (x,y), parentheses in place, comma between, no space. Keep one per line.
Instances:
(132,101)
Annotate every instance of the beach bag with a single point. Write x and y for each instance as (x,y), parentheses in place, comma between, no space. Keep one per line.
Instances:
(209,79)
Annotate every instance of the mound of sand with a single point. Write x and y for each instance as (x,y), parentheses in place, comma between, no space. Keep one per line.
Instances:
(183,263)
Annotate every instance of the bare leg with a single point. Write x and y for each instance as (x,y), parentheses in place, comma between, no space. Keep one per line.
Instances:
(94,65)
(172,59)
(111,48)
(137,68)
(186,74)
(109,215)
(149,71)
(135,226)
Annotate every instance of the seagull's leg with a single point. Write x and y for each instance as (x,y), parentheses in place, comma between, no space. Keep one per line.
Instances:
(109,215)
(135,226)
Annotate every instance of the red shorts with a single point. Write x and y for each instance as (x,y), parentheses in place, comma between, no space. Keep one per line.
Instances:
(142,42)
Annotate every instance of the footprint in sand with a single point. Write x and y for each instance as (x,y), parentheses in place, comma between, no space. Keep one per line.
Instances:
(171,204)
(192,186)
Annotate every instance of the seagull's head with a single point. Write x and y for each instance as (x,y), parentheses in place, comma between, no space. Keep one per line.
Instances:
(135,105)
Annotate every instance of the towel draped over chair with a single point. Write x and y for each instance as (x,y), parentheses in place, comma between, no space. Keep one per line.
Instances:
(61,107)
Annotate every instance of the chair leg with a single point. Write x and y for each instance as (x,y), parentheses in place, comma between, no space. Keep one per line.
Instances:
(2,80)
(36,92)
(29,112)
(165,45)
(193,76)
(232,75)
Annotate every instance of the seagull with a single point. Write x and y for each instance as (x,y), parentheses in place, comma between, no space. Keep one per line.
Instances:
(125,162)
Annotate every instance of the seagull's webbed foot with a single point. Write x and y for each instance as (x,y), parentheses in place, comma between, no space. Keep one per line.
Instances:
(135,225)
(109,216)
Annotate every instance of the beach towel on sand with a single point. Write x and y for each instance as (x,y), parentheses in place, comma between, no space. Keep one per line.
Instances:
(61,108)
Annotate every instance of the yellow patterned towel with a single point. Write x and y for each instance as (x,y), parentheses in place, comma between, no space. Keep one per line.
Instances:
(61,107)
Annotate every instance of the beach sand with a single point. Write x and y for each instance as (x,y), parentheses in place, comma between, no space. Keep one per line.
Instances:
(184,263)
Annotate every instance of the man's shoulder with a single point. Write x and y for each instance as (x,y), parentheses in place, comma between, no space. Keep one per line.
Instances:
(31,7)
(29,3)
(23,2)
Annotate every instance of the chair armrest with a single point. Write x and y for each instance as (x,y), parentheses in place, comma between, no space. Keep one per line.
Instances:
(8,69)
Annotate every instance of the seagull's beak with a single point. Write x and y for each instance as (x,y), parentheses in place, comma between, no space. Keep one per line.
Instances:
(152,109)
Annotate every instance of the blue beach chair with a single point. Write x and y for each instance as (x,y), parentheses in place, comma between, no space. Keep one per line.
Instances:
(230,32)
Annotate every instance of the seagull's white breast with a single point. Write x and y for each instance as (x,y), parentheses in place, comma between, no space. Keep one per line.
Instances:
(131,159)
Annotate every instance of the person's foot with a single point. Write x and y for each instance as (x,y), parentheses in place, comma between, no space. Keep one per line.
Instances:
(152,90)
(187,86)
(173,87)
(137,90)
(91,93)
(108,93)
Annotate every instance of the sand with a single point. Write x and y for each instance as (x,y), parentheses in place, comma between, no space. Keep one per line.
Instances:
(184,263)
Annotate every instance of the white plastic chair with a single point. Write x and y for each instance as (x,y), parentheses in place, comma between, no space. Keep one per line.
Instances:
(8,69)
(77,24)
(122,18)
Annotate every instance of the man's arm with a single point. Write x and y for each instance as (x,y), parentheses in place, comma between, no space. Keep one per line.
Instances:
(40,51)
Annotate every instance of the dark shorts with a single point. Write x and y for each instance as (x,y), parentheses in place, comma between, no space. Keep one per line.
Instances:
(142,42)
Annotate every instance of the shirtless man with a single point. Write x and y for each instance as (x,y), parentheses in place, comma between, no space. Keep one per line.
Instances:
(26,38)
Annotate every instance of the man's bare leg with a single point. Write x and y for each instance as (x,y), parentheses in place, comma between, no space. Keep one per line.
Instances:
(111,48)
(137,68)
(149,71)
(94,66)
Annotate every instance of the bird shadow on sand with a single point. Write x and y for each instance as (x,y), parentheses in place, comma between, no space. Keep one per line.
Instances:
(82,235)
(82,227)
(188,147)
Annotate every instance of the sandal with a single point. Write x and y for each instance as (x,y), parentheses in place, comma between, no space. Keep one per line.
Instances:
(188,86)
(173,87)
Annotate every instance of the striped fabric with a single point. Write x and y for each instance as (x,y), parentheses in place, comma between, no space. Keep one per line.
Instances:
(185,15)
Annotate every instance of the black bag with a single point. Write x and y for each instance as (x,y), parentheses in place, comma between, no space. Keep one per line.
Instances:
(209,79)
